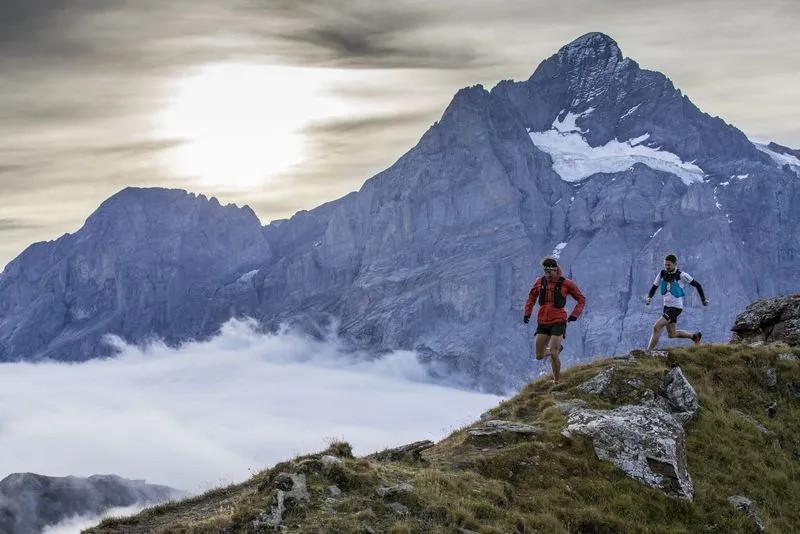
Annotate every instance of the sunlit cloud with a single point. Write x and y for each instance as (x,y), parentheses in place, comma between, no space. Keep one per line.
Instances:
(211,413)
(243,124)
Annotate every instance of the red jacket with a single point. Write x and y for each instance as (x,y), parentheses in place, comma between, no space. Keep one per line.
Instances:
(549,314)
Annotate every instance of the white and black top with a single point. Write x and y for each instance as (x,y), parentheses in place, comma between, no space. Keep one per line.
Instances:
(671,300)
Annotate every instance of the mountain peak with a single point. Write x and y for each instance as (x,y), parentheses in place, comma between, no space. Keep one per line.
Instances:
(591,46)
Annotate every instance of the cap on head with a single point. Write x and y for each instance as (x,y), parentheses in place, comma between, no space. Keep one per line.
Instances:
(671,257)
(549,261)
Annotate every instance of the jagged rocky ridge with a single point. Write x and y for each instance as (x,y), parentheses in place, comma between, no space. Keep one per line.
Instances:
(437,253)
(30,502)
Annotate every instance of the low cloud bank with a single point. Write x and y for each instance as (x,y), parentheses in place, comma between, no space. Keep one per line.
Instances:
(212,413)
(76,524)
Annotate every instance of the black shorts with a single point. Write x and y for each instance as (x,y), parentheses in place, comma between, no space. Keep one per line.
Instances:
(557,329)
(671,314)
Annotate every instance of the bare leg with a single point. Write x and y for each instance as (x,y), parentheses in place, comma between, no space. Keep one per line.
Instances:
(554,350)
(672,332)
(541,345)
(657,327)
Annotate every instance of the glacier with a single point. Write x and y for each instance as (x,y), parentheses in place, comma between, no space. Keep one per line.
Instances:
(574,159)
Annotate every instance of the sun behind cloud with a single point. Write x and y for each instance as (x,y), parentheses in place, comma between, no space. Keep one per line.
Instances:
(242,124)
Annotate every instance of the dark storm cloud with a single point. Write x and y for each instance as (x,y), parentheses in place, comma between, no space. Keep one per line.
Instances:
(355,34)
(8,169)
(8,224)
(140,148)
(371,124)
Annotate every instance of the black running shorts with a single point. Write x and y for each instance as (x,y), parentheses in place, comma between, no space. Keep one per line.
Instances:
(671,314)
(557,329)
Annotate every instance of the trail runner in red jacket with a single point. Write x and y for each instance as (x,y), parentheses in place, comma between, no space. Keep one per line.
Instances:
(551,290)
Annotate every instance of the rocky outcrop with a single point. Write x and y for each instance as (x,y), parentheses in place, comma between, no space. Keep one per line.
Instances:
(291,490)
(403,488)
(497,432)
(645,442)
(774,320)
(411,452)
(598,383)
(29,502)
(683,401)
(746,506)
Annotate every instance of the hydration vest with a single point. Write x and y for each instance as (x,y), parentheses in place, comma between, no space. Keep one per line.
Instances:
(670,282)
(559,301)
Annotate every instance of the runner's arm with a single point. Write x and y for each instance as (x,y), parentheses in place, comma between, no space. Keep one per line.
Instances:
(572,289)
(652,291)
(699,289)
(654,287)
(532,298)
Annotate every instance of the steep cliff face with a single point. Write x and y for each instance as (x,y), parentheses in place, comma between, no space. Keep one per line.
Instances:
(604,163)
(146,262)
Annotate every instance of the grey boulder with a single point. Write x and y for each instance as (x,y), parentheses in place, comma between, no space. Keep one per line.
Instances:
(645,442)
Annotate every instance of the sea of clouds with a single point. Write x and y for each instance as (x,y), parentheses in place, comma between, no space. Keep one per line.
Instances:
(214,412)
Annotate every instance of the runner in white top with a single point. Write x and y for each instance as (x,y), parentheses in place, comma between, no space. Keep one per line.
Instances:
(671,282)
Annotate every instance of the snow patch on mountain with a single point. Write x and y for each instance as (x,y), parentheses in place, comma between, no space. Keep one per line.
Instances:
(630,111)
(558,249)
(777,157)
(574,159)
(246,277)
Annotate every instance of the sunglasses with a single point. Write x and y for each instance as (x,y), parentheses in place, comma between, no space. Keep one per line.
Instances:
(550,269)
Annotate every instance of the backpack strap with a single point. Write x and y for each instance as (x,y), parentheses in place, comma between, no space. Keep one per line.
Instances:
(558,297)
(542,290)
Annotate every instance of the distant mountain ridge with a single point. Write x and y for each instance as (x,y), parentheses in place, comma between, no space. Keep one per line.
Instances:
(29,502)
(593,158)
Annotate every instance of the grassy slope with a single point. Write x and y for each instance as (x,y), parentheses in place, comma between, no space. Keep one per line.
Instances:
(551,483)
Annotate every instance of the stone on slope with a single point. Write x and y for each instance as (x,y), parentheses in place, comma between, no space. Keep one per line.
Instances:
(598,383)
(498,432)
(745,505)
(398,489)
(681,395)
(409,451)
(291,489)
(645,442)
(570,405)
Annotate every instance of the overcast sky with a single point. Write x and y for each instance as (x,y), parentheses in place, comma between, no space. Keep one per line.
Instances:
(284,105)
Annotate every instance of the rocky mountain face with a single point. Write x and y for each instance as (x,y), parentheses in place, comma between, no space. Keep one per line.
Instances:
(603,163)
(29,502)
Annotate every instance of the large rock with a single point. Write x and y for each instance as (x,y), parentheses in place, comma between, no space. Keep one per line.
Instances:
(29,502)
(683,401)
(498,433)
(645,442)
(769,321)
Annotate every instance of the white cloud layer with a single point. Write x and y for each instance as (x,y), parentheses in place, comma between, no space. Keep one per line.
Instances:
(209,413)
(74,525)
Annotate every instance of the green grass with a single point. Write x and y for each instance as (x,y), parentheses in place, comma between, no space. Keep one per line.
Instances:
(553,484)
